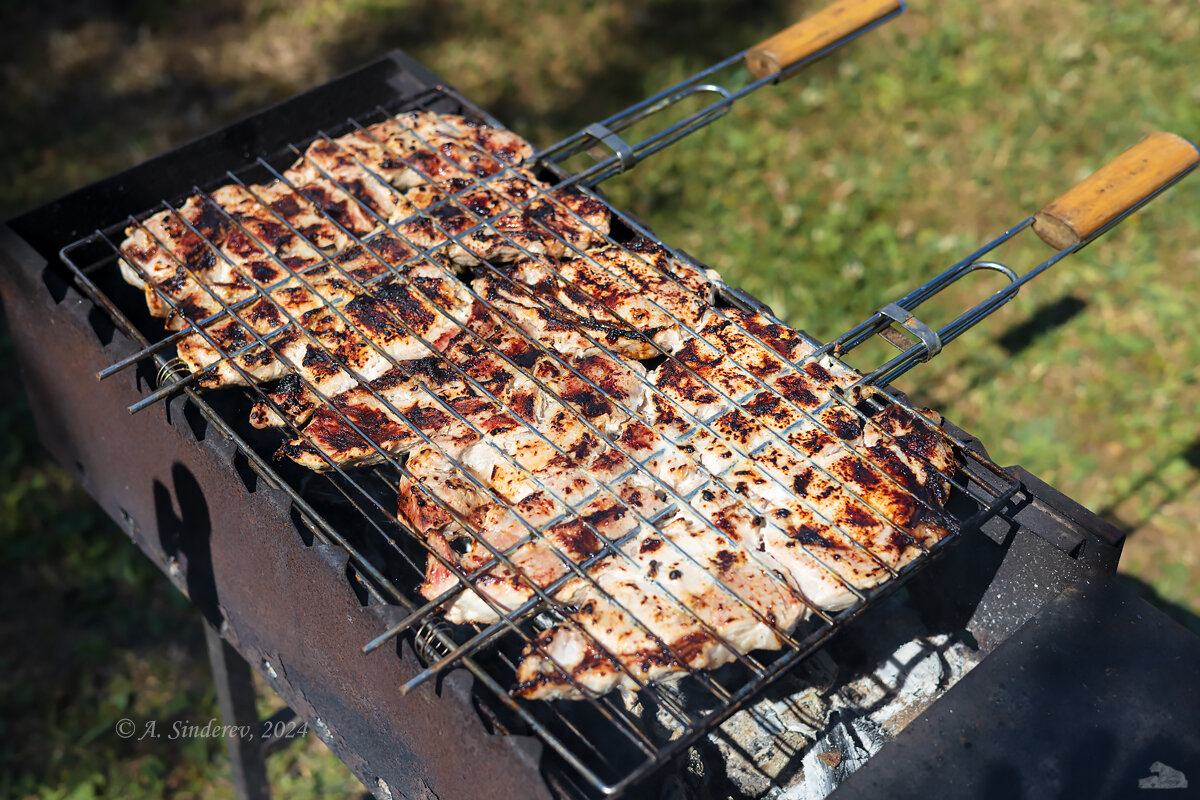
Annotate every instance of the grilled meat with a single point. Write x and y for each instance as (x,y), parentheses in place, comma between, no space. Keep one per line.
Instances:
(534,298)
(539,537)
(641,285)
(502,220)
(414,148)
(676,519)
(590,390)
(222,245)
(669,604)
(336,332)
(218,248)
(740,579)
(801,488)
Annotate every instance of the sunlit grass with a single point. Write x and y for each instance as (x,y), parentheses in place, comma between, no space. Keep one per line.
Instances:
(826,196)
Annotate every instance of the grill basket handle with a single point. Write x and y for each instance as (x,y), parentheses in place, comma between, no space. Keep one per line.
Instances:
(813,34)
(1093,206)
(1116,189)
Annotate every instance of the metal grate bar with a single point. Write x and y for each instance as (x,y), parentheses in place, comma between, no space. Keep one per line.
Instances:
(626,729)
(457,238)
(349,486)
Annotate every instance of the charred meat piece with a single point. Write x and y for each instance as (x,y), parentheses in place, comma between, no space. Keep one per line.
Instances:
(241,236)
(482,365)
(502,220)
(408,150)
(658,610)
(427,148)
(336,334)
(392,412)
(639,284)
(191,255)
(561,318)
(539,536)
(220,248)
(330,284)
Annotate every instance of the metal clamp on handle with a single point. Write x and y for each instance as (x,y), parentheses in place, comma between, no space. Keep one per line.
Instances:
(1093,206)
(927,335)
(769,62)
(621,149)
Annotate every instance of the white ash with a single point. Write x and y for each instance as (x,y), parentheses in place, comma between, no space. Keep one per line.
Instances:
(825,718)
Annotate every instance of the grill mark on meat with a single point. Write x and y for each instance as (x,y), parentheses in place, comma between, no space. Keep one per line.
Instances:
(436,369)
(175,282)
(211,223)
(391,250)
(577,541)
(856,515)
(650,546)
(809,536)
(854,471)
(372,319)
(262,272)
(779,338)
(795,388)
(810,441)
(819,372)
(725,559)
(591,404)
(690,646)
(427,418)
(318,363)
(523,405)
(845,426)
(673,376)
(286,206)
(409,308)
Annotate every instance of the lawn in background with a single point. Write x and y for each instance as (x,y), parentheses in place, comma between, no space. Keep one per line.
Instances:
(826,196)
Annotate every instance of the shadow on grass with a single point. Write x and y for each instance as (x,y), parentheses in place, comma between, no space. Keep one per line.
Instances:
(76,109)
(1047,318)
(1168,491)
(93,632)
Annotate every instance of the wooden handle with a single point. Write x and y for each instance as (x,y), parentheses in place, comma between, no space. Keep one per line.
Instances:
(814,33)
(1114,189)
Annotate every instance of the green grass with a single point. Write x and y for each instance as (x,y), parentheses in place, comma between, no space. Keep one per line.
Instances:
(826,196)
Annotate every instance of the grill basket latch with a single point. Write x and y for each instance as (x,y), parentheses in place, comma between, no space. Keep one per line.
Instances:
(906,319)
(621,149)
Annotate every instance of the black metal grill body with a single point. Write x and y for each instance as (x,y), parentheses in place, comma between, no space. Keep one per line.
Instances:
(287,602)
(283,598)
(290,602)
(1095,696)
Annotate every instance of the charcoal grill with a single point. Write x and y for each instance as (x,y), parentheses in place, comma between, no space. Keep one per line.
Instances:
(341,531)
